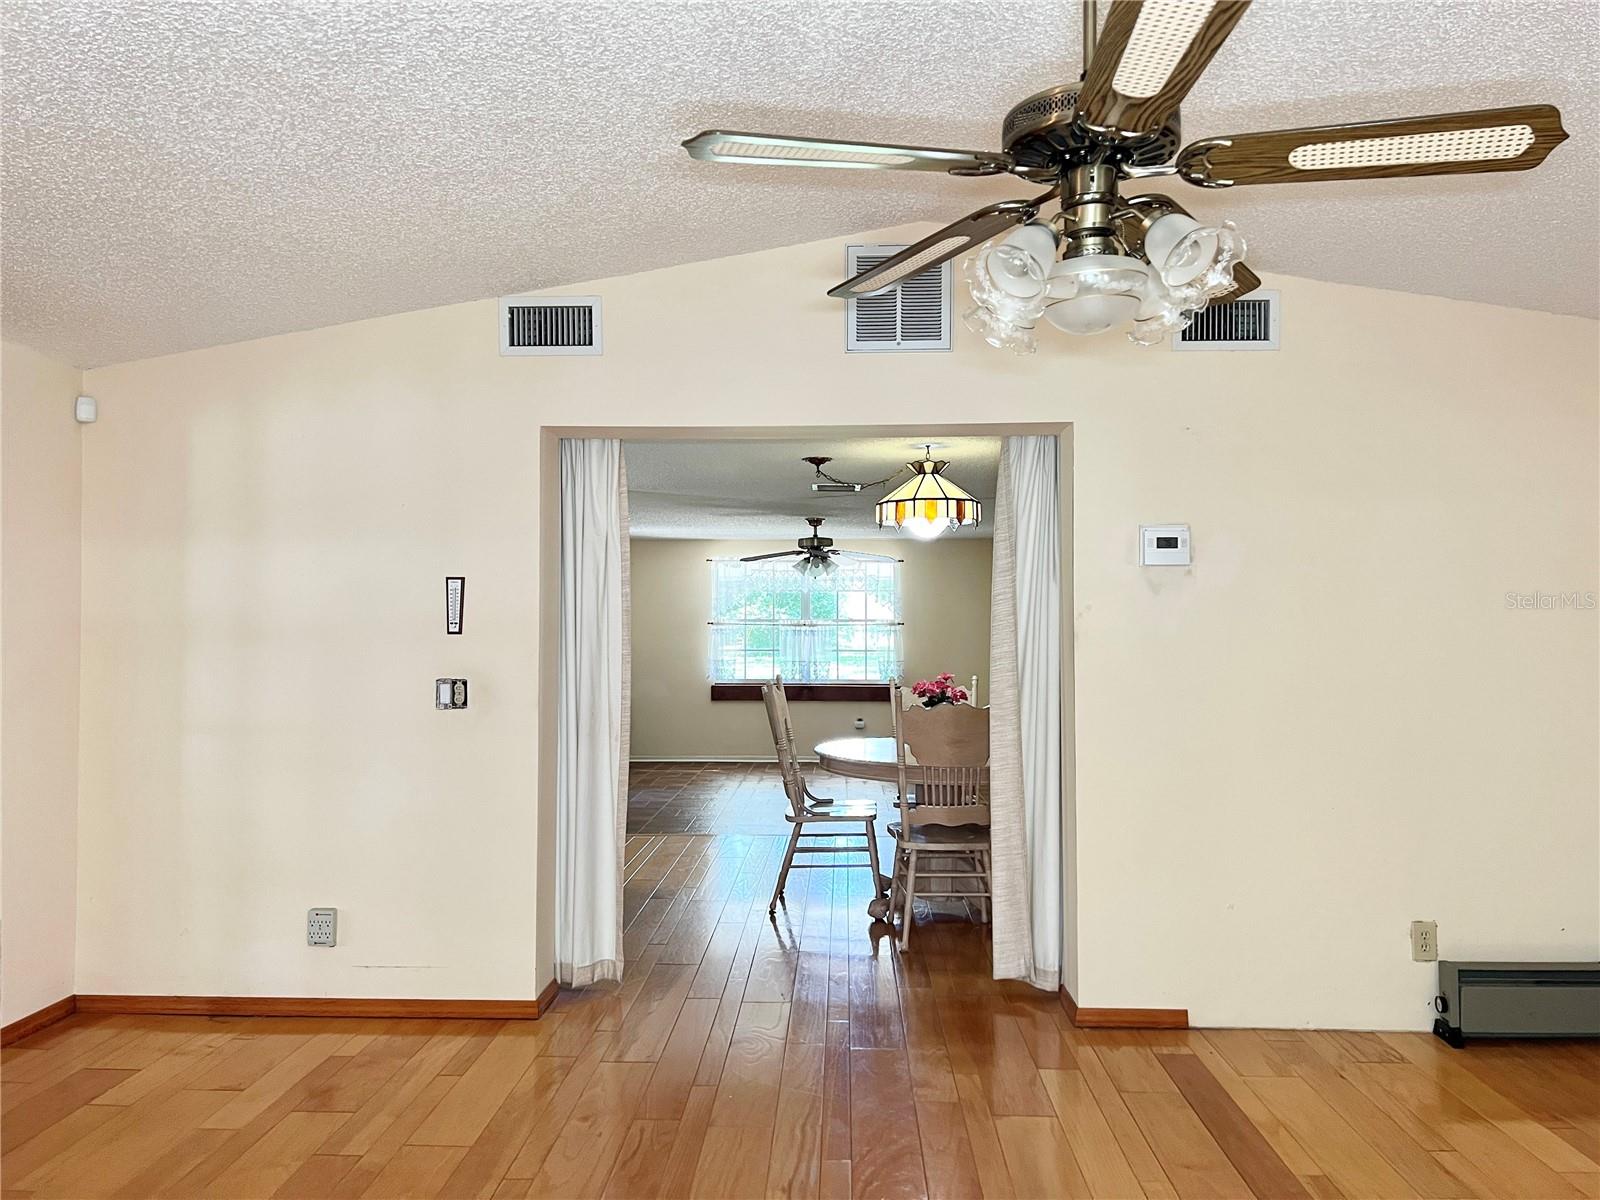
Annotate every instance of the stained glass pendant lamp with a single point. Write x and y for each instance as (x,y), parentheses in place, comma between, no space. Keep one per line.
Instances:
(928,503)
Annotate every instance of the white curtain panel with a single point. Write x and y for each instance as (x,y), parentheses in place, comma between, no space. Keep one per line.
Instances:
(592,711)
(1025,716)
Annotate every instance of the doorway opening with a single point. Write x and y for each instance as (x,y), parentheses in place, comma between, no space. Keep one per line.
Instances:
(705,823)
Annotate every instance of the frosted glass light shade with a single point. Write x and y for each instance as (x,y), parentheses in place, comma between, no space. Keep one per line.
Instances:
(1005,319)
(1163,238)
(1193,259)
(1020,264)
(816,568)
(1090,313)
(928,503)
(1226,251)
(1096,291)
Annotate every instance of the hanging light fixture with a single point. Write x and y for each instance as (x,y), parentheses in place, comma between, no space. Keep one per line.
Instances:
(1104,262)
(927,504)
(814,567)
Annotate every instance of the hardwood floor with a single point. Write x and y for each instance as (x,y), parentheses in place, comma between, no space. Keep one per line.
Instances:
(747,1057)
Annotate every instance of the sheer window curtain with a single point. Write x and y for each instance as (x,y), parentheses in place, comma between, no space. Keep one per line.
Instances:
(1025,703)
(592,711)
(768,619)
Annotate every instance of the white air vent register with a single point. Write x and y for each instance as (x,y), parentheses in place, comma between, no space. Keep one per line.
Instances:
(914,314)
(546,325)
(1249,323)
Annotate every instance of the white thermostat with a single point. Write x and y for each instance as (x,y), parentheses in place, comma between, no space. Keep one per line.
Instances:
(1163,545)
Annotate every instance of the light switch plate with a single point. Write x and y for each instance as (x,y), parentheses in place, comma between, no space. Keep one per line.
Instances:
(1163,545)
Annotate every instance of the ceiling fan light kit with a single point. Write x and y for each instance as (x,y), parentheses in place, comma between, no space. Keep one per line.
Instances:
(1102,260)
(816,568)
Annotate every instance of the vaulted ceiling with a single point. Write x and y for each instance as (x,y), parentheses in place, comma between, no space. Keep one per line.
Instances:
(184,174)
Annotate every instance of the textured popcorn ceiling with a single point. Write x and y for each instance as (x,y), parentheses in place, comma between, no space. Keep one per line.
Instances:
(763,489)
(185,174)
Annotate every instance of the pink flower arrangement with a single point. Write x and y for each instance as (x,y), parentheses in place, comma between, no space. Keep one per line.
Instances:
(941,689)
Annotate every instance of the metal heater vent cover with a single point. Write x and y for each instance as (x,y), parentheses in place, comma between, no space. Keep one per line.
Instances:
(546,325)
(914,314)
(1247,324)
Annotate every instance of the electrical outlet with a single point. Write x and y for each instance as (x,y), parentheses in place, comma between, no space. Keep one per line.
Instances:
(1424,941)
(861,722)
(322,926)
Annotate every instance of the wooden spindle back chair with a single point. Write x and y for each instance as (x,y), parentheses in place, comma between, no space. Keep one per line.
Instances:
(806,808)
(944,804)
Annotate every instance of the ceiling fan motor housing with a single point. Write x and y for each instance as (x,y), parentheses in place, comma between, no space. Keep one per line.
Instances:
(1042,132)
(815,544)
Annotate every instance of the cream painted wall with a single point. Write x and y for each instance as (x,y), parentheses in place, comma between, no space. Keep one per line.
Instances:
(945,604)
(1332,724)
(40,478)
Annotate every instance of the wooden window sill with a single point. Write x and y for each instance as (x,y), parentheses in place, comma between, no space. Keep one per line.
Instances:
(865,693)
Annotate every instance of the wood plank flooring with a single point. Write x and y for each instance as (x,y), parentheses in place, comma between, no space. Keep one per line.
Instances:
(802,1056)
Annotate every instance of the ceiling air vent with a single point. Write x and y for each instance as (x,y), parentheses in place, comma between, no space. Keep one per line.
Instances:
(912,315)
(539,325)
(1247,324)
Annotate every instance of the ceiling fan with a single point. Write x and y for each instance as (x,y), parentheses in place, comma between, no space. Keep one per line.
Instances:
(1103,259)
(817,553)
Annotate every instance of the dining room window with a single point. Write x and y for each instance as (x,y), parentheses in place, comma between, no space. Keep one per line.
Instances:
(769,619)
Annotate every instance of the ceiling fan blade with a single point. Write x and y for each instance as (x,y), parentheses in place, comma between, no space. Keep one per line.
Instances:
(1150,53)
(1245,281)
(1487,139)
(971,230)
(774,554)
(719,145)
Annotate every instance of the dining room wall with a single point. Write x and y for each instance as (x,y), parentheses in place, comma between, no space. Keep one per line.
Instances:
(40,545)
(945,597)
(1340,718)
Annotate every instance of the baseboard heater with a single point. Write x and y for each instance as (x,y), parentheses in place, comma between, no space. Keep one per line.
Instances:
(1517,999)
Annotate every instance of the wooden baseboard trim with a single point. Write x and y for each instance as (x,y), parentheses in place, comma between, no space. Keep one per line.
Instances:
(1123,1018)
(319,1006)
(279,1006)
(548,996)
(32,1023)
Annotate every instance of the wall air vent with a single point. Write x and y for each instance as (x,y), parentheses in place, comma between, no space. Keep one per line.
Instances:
(1247,324)
(912,315)
(541,325)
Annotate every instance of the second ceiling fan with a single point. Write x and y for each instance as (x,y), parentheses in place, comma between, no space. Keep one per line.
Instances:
(816,552)
(1102,259)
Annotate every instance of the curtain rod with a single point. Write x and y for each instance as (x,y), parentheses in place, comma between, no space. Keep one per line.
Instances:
(804,624)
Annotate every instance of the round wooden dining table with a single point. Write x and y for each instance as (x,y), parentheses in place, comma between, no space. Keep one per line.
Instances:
(859,758)
(864,758)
